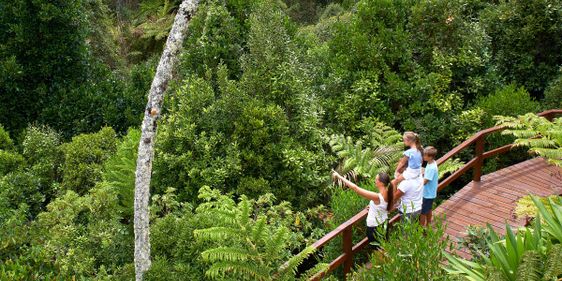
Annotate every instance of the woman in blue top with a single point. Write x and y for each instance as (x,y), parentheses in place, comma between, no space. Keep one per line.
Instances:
(409,166)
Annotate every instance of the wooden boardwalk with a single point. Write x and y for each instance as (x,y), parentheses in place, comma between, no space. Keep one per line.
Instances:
(493,199)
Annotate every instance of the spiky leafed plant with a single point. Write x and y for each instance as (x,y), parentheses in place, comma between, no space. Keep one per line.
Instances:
(248,245)
(542,137)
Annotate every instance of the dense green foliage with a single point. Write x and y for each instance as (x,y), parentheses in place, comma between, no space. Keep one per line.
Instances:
(413,256)
(268,97)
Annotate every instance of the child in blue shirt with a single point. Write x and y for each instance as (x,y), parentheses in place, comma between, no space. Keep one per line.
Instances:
(430,178)
(409,166)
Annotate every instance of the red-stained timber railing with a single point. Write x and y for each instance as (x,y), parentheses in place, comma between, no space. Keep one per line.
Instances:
(346,228)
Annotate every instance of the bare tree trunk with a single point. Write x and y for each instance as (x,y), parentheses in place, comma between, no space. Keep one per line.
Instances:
(163,75)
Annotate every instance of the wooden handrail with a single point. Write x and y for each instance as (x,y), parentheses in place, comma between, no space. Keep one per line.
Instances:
(476,163)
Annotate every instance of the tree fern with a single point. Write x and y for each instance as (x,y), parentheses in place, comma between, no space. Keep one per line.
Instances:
(553,263)
(119,170)
(247,245)
(530,267)
(542,137)
(450,166)
(366,158)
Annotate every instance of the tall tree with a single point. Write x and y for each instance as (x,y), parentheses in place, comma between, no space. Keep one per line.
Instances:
(164,74)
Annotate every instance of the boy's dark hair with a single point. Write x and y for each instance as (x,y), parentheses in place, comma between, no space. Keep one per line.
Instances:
(430,151)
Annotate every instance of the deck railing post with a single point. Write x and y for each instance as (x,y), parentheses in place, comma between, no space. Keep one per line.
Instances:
(478,151)
(347,249)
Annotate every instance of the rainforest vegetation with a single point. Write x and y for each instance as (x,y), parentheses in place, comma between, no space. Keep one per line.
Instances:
(268,96)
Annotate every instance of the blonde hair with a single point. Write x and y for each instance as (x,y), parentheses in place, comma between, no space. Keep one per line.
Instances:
(413,137)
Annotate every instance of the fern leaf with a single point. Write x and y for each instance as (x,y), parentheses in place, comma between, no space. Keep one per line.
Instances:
(530,267)
(553,264)
(225,254)
(218,233)
(258,230)
(247,271)
(293,263)
(321,267)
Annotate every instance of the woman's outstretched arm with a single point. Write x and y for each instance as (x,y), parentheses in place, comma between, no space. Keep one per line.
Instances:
(362,192)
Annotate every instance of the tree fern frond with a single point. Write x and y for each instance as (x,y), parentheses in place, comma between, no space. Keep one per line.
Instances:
(321,267)
(530,267)
(247,271)
(217,233)
(225,254)
(553,264)
(549,153)
(540,135)
(293,263)
(277,241)
(450,166)
(258,230)
(244,216)
(538,142)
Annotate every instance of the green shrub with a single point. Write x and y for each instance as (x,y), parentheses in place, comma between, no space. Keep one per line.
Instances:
(83,235)
(508,101)
(553,94)
(412,252)
(84,158)
(6,142)
(31,177)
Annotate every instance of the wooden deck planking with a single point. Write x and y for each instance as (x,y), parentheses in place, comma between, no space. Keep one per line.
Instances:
(493,199)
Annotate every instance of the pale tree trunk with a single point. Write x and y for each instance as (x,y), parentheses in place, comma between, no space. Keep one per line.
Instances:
(163,75)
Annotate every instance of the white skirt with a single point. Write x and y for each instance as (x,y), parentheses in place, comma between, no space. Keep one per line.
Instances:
(410,173)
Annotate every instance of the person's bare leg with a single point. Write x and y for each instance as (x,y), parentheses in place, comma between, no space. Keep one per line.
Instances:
(423,220)
(429,216)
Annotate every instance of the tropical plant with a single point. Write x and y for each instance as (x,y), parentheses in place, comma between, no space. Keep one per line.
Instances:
(366,158)
(248,245)
(119,171)
(542,137)
(553,220)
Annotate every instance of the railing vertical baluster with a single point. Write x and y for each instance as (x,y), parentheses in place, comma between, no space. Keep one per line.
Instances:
(478,151)
(347,237)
